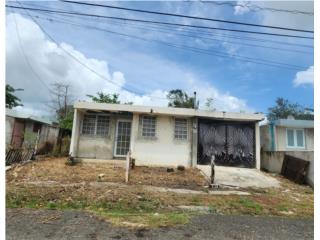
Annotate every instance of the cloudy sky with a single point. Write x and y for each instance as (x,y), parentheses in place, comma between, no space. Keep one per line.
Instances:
(142,62)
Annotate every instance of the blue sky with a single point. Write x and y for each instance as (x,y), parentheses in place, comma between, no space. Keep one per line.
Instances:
(149,68)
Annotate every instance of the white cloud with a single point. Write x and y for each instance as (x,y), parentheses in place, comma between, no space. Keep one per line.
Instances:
(278,18)
(304,77)
(52,64)
(241,8)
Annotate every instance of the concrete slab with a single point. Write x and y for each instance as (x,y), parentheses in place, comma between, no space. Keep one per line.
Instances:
(115,162)
(240,177)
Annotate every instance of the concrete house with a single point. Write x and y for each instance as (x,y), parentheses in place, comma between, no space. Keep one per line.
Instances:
(287,137)
(165,136)
(22,130)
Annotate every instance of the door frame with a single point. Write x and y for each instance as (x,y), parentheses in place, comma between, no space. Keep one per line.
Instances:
(116,136)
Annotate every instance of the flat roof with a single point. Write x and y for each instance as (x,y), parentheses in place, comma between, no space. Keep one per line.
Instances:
(17,114)
(185,112)
(294,123)
(291,123)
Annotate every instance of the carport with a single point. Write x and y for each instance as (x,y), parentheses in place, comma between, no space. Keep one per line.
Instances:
(231,143)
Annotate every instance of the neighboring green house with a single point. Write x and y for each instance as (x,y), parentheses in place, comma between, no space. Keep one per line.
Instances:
(287,137)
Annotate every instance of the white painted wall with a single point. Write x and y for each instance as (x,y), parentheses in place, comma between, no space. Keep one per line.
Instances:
(164,150)
(272,161)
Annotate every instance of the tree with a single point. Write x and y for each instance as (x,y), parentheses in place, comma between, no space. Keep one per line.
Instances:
(209,104)
(12,100)
(284,108)
(105,98)
(180,99)
(66,122)
(61,103)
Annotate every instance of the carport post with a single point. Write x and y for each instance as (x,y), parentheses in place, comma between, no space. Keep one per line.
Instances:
(75,134)
(257,143)
(194,142)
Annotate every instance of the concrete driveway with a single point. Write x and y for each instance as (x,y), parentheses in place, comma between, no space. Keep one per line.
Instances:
(240,177)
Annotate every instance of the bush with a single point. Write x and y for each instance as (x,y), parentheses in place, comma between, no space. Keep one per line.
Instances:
(62,147)
(71,161)
(46,148)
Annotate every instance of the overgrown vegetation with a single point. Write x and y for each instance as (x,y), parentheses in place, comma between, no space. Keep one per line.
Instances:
(12,100)
(180,99)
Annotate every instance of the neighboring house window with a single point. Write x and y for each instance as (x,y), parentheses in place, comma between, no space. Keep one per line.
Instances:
(181,129)
(36,127)
(95,125)
(148,126)
(295,138)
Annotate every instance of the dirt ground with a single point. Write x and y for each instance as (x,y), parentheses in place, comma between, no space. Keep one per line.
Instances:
(50,184)
(55,169)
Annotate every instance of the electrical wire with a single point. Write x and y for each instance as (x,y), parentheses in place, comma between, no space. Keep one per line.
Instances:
(160,22)
(256,8)
(182,29)
(86,66)
(187,16)
(197,50)
(193,36)
(25,56)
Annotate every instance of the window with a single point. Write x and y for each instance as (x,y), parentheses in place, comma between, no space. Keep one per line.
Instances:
(95,125)
(36,127)
(181,129)
(295,138)
(102,125)
(89,124)
(148,126)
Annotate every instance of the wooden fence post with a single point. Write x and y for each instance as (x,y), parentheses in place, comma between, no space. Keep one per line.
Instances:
(212,170)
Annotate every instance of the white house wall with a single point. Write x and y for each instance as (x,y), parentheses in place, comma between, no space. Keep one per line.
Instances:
(97,147)
(164,150)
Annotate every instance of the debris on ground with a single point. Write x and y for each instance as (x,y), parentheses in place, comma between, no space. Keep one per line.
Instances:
(54,169)
(181,168)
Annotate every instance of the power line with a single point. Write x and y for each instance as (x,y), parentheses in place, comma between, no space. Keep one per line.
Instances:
(83,64)
(25,56)
(197,31)
(159,22)
(197,50)
(186,16)
(255,8)
(200,37)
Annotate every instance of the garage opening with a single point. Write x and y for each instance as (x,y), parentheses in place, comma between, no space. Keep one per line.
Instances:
(231,143)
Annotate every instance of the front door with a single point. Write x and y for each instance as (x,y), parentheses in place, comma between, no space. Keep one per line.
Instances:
(17,134)
(123,133)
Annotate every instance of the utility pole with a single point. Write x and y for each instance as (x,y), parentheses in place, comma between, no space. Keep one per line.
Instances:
(195,100)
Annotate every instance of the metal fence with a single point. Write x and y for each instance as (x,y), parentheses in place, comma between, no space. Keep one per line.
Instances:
(18,155)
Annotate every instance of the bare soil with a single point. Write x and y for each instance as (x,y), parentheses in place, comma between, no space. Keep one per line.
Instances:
(55,169)
(59,186)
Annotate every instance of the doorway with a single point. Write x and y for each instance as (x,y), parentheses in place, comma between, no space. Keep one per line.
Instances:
(122,140)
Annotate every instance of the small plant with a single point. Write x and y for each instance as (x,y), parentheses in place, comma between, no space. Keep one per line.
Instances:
(71,161)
